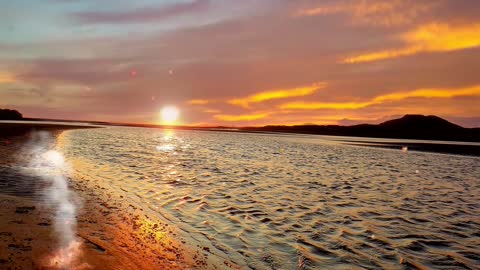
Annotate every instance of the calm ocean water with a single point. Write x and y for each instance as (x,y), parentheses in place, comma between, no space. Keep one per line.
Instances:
(294,202)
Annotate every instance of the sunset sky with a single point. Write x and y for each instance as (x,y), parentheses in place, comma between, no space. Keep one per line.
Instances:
(241,63)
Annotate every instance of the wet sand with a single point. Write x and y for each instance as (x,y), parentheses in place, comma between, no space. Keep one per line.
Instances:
(110,239)
(113,233)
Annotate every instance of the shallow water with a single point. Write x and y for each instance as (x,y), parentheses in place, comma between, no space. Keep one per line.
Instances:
(293,202)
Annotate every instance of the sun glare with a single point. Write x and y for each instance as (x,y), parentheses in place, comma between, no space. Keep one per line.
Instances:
(169,115)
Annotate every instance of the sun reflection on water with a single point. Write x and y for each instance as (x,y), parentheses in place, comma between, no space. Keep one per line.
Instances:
(168,139)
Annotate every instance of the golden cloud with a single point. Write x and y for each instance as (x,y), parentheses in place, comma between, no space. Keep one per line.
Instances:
(420,93)
(7,77)
(211,111)
(301,105)
(428,38)
(277,94)
(198,102)
(430,93)
(242,117)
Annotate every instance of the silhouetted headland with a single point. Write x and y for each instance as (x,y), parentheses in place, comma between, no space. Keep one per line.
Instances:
(14,128)
(418,127)
(7,114)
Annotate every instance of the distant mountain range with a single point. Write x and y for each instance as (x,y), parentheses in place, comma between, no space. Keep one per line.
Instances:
(408,127)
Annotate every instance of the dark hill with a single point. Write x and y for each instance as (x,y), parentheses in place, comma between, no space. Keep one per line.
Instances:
(408,127)
(430,122)
(6,114)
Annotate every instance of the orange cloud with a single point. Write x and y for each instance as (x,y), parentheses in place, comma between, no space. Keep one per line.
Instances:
(430,93)
(242,117)
(420,93)
(277,94)
(325,10)
(428,38)
(198,102)
(301,105)
(211,111)
(7,77)
(373,12)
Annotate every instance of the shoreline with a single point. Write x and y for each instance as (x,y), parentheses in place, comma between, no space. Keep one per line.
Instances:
(108,239)
(371,131)
(113,233)
(17,128)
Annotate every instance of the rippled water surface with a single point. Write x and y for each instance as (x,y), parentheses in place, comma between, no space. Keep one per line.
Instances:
(294,202)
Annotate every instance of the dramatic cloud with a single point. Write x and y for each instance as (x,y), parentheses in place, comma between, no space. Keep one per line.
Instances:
(420,93)
(428,38)
(242,117)
(276,94)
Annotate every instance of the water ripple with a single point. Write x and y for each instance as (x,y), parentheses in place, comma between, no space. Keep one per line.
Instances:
(293,202)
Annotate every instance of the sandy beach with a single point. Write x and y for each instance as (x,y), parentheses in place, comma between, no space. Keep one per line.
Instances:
(112,233)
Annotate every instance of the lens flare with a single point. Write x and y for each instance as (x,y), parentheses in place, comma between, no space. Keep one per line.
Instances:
(53,158)
(53,170)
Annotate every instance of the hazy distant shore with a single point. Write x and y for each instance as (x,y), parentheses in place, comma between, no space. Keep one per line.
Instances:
(113,233)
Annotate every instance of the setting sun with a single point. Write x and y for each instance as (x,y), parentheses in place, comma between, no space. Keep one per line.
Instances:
(169,115)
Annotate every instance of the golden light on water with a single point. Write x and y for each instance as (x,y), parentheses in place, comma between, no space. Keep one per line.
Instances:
(169,115)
